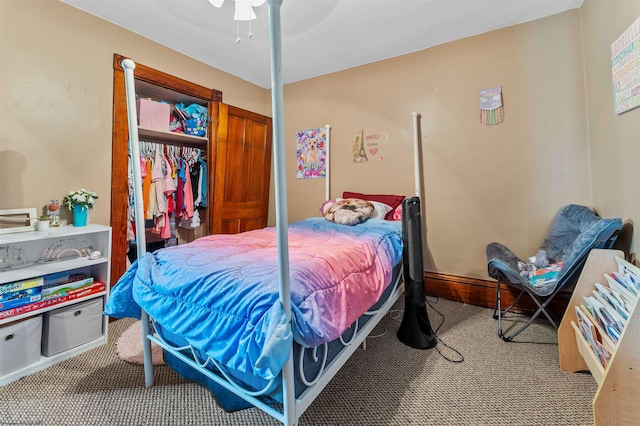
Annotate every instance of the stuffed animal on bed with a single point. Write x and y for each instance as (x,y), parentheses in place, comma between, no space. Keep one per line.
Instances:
(347,211)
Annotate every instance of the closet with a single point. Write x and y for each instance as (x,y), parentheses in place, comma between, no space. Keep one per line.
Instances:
(236,150)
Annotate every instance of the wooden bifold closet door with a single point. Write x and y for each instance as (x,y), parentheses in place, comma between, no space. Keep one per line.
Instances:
(238,149)
(243,167)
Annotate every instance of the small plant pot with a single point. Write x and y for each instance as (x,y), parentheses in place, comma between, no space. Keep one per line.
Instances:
(42,225)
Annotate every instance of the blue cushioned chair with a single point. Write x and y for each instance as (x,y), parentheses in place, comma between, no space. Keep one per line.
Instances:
(575,230)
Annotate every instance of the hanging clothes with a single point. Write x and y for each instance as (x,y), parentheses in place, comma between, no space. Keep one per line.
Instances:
(174,186)
(146,185)
(188,192)
(203,183)
(158,178)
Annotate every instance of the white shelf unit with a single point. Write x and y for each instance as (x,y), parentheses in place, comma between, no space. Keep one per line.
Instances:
(40,249)
(616,401)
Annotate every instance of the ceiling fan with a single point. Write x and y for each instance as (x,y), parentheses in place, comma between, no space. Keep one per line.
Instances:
(243,12)
(244,8)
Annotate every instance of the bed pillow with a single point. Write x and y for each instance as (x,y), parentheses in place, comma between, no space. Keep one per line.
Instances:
(391,200)
(380,210)
(397,213)
(348,211)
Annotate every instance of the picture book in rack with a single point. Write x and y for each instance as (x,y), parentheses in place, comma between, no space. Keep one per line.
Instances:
(605,313)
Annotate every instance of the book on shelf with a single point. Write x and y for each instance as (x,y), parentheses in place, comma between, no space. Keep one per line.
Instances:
(587,328)
(64,288)
(621,286)
(20,285)
(96,287)
(614,299)
(609,301)
(628,274)
(603,315)
(604,355)
(62,277)
(599,346)
(20,297)
(19,293)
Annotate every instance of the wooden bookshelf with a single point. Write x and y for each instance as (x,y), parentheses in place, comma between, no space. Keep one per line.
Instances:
(616,400)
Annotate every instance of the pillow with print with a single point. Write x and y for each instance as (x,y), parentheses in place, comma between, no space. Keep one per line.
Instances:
(389,199)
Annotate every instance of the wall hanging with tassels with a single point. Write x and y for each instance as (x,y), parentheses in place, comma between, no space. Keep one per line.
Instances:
(491,109)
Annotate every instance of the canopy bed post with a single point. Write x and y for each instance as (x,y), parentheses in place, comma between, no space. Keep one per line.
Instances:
(282,221)
(416,153)
(128,65)
(327,190)
(418,172)
(283,370)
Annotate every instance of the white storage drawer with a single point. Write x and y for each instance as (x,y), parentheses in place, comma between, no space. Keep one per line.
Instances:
(20,344)
(71,326)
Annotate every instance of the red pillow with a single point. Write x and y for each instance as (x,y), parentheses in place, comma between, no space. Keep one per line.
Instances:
(391,200)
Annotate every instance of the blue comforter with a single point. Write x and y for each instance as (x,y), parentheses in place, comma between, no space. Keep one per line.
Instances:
(220,292)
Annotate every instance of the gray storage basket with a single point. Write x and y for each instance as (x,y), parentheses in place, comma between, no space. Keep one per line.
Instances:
(71,326)
(20,344)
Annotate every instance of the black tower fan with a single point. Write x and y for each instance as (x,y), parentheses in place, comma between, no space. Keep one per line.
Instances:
(415,330)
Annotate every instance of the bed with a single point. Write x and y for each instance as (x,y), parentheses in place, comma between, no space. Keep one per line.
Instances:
(279,315)
(215,301)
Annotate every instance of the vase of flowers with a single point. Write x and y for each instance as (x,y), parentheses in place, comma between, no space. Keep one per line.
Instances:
(80,202)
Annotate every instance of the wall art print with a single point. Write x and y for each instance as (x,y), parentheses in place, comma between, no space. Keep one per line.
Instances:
(311,153)
(625,69)
(369,144)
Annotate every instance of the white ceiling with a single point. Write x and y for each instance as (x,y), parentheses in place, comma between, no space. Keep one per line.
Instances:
(318,36)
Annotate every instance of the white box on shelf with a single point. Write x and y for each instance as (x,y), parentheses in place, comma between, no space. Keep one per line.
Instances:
(71,326)
(20,344)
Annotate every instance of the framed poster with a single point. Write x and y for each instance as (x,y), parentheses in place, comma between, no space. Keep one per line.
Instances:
(625,69)
(311,153)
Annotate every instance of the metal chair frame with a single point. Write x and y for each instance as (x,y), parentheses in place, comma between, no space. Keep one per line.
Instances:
(499,314)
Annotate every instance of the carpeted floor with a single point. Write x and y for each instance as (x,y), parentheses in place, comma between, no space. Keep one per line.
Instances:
(498,383)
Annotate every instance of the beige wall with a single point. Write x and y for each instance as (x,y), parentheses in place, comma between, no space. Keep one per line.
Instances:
(502,183)
(56,87)
(614,140)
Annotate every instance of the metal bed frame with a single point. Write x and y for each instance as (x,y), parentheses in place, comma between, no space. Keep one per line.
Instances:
(292,407)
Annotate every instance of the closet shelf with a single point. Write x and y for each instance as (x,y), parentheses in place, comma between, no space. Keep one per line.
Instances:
(172,138)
